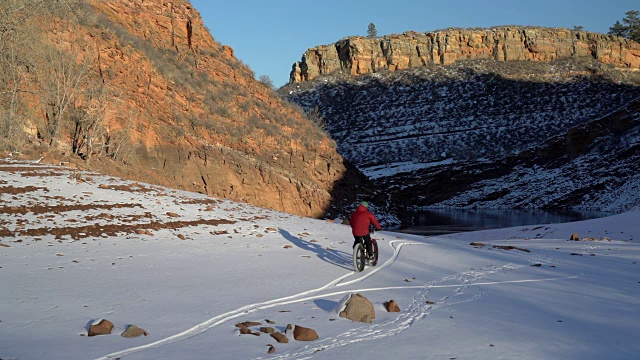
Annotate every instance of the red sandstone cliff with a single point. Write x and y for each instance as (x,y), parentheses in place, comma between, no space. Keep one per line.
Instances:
(360,55)
(193,115)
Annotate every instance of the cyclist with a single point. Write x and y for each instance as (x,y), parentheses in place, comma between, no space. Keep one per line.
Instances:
(360,221)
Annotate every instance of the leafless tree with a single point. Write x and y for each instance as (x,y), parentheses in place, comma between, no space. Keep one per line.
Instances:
(266,80)
(12,77)
(16,36)
(60,83)
(89,120)
(22,59)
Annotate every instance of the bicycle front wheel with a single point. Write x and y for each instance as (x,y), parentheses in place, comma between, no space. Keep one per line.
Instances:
(374,245)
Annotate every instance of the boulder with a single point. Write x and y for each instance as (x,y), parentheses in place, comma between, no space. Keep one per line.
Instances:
(357,308)
(304,334)
(133,331)
(100,327)
(574,237)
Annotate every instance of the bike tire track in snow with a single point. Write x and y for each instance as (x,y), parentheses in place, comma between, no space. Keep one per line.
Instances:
(415,312)
(215,321)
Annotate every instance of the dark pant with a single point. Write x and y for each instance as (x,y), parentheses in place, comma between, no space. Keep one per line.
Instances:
(367,241)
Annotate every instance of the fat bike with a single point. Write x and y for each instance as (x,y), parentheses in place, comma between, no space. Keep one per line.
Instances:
(360,256)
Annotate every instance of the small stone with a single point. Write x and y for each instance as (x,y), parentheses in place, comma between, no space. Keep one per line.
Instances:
(250,323)
(392,306)
(280,337)
(267,330)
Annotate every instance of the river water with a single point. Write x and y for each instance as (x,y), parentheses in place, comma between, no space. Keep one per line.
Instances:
(445,221)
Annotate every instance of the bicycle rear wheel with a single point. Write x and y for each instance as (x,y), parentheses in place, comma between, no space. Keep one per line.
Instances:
(358,257)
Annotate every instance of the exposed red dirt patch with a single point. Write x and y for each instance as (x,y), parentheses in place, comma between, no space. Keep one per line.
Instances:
(19,190)
(97,230)
(37,209)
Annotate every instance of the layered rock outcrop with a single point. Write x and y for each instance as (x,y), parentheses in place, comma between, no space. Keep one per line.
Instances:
(183,112)
(361,55)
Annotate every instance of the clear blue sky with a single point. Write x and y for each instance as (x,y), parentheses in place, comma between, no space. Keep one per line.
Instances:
(269,36)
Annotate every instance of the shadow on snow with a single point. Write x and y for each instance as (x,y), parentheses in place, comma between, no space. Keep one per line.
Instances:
(335,257)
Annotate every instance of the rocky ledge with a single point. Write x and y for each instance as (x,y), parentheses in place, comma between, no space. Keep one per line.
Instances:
(361,55)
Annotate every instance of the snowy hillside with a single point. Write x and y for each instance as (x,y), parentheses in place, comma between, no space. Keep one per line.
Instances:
(401,128)
(78,248)
(593,166)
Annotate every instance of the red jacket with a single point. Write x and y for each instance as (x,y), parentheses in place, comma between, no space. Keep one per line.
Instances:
(360,220)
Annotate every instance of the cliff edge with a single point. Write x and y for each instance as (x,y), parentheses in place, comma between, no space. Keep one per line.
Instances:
(362,55)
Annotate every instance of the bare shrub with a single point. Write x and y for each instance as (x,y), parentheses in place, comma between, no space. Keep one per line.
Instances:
(315,115)
(266,81)
(89,123)
(117,142)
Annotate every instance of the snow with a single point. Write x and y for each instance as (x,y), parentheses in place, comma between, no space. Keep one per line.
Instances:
(394,168)
(581,301)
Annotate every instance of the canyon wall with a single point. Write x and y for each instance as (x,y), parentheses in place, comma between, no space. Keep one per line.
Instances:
(190,114)
(363,55)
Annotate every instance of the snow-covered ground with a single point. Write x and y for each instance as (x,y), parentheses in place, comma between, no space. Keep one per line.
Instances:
(78,247)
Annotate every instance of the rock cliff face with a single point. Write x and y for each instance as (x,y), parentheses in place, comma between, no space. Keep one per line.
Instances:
(360,55)
(193,115)
(438,135)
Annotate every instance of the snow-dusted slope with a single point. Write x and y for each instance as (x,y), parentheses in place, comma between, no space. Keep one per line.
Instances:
(594,166)
(77,247)
(417,133)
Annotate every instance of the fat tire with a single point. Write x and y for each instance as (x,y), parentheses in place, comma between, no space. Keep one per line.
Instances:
(374,245)
(358,257)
